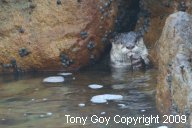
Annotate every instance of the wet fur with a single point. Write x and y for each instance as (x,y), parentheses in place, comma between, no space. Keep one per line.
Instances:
(121,56)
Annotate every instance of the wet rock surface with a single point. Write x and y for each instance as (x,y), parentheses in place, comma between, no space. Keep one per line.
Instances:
(174,88)
(53,34)
(151,18)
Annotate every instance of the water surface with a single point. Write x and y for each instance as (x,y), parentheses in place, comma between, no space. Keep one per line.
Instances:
(27,102)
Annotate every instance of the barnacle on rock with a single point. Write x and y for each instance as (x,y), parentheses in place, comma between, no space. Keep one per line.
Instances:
(91,45)
(13,63)
(21,30)
(83,34)
(6,66)
(78,1)
(58,2)
(65,60)
(23,52)
(182,6)
(32,6)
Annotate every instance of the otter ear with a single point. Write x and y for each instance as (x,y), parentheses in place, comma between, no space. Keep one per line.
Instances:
(114,39)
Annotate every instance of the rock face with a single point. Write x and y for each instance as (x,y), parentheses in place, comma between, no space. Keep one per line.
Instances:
(174,90)
(157,12)
(53,34)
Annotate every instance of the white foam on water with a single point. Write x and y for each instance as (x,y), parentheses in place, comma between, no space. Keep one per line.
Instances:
(81,105)
(65,74)
(49,114)
(54,79)
(41,116)
(121,105)
(103,113)
(103,98)
(143,110)
(95,86)
(162,127)
(119,86)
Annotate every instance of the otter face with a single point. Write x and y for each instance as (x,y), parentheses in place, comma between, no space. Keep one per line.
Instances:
(128,50)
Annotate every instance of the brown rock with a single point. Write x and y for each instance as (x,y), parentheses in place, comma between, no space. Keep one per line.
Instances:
(38,33)
(159,10)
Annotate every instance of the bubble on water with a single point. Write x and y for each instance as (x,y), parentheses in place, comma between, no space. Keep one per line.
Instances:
(162,127)
(103,113)
(143,110)
(81,105)
(41,116)
(65,74)
(54,79)
(37,89)
(95,86)
(45,99)
(49,114)
(122,105)
(103,98)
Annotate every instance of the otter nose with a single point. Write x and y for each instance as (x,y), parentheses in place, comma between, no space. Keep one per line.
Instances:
(130,47)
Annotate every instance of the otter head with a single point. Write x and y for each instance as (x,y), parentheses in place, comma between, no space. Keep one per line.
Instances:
(128,49)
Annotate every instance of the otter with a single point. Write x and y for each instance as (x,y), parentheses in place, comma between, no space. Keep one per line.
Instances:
(128,50)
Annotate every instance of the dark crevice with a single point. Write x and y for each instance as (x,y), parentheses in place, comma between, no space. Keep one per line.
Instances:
(126,21)
(127,15)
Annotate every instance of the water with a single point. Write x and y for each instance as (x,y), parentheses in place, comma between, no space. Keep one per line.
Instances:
(27,102)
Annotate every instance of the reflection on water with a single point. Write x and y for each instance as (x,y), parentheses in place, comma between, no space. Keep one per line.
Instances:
(27,102)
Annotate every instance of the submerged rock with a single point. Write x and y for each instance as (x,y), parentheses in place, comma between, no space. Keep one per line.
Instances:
(54,79)
(105,97)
